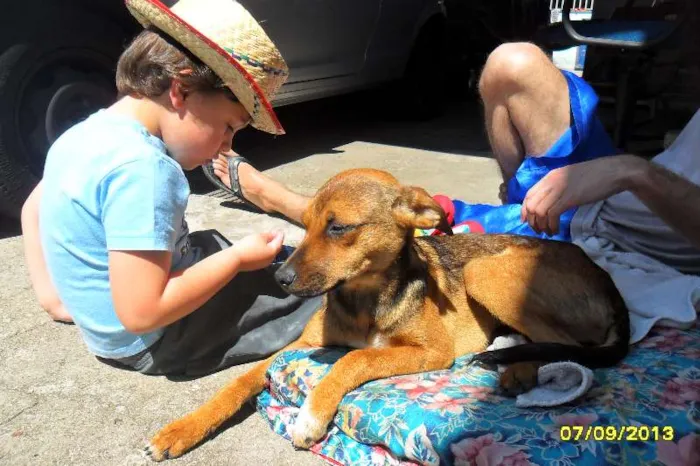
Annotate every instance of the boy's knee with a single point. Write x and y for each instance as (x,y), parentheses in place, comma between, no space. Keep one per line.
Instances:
(510,67)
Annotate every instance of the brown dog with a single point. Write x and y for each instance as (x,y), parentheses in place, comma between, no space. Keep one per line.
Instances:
(415,304)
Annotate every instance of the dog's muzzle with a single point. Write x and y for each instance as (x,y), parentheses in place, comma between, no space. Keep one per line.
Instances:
(285,276)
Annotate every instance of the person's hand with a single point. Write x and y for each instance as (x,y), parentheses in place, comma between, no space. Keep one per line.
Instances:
(258,250)
(573,186)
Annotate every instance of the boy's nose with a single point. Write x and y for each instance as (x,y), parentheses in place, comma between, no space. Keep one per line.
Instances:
(226,145)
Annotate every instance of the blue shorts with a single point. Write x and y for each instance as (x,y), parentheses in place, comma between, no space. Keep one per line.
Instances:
(586,139)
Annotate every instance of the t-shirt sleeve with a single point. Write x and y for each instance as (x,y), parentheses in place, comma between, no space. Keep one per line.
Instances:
(143,204)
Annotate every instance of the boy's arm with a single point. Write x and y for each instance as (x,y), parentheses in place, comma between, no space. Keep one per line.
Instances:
(147,296)
(34,257)
(142,206)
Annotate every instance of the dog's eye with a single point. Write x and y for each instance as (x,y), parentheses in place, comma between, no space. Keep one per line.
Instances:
(336,229)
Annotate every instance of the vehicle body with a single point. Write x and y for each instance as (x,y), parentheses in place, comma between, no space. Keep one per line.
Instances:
(334,46)
(57,61)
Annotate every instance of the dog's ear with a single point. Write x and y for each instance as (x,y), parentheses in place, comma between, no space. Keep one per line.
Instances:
(414,208)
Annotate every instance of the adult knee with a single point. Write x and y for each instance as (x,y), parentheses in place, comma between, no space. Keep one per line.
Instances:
(510,67)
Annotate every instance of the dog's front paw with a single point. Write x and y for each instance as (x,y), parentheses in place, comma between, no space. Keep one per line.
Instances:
(519,377)
(175,439)
(308,428)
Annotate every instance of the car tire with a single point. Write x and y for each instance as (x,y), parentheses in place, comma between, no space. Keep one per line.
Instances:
(16,181)
(49,80)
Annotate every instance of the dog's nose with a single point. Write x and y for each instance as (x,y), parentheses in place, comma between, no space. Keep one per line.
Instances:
(285,276)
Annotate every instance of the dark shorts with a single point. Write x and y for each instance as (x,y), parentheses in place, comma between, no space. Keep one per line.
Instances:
(247,320)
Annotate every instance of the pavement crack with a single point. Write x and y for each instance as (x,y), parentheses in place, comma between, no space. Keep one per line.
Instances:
(21,411)
(26,330)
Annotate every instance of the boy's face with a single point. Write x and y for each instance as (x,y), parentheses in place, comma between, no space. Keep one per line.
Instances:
(201,125)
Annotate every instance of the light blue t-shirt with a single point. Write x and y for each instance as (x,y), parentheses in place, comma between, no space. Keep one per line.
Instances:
(109,185)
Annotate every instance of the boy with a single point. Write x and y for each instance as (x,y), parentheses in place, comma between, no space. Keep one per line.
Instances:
(145,293)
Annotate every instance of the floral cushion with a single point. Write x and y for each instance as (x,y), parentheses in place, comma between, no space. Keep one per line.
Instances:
(457,416)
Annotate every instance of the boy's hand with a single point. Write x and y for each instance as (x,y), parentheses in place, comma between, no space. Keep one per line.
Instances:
(258,250)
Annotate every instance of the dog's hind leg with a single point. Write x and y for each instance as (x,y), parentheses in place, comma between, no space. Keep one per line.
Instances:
(569,309)
(508,292)
(516,292)
(181,435)
(519,377)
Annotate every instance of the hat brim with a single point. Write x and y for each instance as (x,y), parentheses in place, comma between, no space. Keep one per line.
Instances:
(154,13)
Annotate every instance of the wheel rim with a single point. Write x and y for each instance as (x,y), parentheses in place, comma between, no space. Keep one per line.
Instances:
(71,103)
(60,89)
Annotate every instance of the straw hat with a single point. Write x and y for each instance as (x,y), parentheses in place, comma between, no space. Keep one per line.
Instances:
(224,35)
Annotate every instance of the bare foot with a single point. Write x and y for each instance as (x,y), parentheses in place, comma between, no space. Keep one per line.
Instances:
(251,182)
(220,165)
(221,169)
(266,193)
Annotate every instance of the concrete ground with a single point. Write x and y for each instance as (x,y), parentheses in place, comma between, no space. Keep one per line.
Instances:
(59,405)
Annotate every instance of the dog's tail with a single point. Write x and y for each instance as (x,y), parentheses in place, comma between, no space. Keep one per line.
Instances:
(590,356)
(593,357)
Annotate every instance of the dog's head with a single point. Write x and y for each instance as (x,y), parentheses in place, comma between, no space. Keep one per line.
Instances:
(356,226)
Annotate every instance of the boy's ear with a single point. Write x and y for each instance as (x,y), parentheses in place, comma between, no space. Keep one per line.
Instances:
(177,94)
(414,208)
(178,90)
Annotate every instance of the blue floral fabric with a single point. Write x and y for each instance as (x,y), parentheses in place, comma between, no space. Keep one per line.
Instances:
(457,416)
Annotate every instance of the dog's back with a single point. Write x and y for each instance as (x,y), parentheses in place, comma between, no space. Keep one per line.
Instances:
(549,291)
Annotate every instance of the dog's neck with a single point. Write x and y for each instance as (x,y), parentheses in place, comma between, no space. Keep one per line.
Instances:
(394,294)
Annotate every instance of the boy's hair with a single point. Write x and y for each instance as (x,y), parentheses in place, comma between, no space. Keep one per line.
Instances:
(153,59)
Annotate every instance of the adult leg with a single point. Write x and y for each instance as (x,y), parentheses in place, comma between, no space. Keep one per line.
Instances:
(526,104)
(266,193)
(538,119)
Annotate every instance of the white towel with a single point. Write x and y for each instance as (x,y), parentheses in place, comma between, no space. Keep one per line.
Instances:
(654,293)
(557,382)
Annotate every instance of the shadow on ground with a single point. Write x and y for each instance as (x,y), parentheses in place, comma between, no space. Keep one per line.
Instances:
(362,116)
